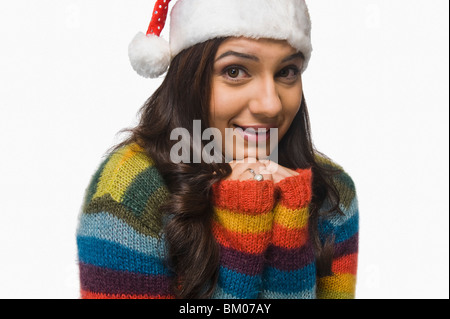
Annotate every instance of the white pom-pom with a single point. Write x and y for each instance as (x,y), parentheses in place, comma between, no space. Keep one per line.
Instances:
(149,55)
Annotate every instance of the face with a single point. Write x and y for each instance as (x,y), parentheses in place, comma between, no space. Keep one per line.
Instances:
(256,86)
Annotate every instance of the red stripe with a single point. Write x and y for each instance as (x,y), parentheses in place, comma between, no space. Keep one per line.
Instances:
(249,196)
(345,265)
(289,237)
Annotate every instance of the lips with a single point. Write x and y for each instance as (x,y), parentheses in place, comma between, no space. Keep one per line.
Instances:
(256,127)
(254,133)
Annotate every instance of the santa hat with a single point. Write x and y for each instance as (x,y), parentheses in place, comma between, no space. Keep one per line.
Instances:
(196,21)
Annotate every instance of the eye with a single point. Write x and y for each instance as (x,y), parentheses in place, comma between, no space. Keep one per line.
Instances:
(235,73)
(289,73)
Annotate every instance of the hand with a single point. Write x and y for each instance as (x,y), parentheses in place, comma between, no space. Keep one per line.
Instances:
(270,170)
(240,169)
(277,171)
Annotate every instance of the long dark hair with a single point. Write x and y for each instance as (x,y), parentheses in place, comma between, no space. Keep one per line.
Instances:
(183,97)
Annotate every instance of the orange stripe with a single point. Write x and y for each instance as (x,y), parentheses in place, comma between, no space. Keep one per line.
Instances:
(289,237)
(94,295)
(345,265)
(255,243)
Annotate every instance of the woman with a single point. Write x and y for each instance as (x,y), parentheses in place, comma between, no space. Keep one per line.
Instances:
(220,221)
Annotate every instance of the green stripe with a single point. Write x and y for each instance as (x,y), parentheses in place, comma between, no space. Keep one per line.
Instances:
(342,180)
(346,188)
(152,215)
(145,185)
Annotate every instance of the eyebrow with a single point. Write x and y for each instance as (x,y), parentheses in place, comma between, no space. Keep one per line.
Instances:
(239,55)
(293,57)
(255,58)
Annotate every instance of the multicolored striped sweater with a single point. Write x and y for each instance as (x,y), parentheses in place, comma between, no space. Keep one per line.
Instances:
(260,227)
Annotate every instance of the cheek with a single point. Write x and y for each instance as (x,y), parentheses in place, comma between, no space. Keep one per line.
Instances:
(292,98)
(294,106)
(224,106)
(291,106)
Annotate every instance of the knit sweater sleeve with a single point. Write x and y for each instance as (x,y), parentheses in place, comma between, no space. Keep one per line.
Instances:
(120,250)
(242,226)
(342,230)
(290,269)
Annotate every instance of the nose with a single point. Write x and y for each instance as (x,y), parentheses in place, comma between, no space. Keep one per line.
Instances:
(266,101)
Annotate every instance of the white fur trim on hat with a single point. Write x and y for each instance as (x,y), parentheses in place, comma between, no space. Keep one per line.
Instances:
(195,21)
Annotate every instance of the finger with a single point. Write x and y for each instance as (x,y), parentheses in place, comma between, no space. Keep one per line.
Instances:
(257,170)
(250,176)
(272,167)
(249,160)
(240,169)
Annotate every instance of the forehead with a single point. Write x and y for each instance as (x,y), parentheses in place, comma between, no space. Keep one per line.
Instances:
(257,47)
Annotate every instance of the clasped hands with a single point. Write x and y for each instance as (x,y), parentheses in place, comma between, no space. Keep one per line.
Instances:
(267,168)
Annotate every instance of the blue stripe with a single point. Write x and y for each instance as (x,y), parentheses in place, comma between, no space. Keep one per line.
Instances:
(342,232)
(349,212)
(105,226)
(337,219)
(306,294)
(103,253)
(288,282)
(240,285)
(347,230)
(219,293)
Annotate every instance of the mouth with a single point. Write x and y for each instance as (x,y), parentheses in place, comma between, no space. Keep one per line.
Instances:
(254,133)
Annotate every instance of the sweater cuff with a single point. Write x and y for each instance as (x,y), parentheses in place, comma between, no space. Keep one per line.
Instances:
(250,196)
(295,191)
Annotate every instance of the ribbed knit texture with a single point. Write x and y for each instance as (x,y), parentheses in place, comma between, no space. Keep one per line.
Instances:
(260,227)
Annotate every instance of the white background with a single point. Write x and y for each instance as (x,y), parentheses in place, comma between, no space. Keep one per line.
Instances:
(377,91)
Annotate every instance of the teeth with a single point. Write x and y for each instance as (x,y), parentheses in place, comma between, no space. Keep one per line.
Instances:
(259,131)
(252,130)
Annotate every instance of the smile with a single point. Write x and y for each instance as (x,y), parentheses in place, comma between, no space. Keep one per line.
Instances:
(254,134)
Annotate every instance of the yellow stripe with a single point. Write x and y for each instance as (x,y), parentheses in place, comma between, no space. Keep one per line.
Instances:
(291,218)
(123,166)
(342,285)
(242,223)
